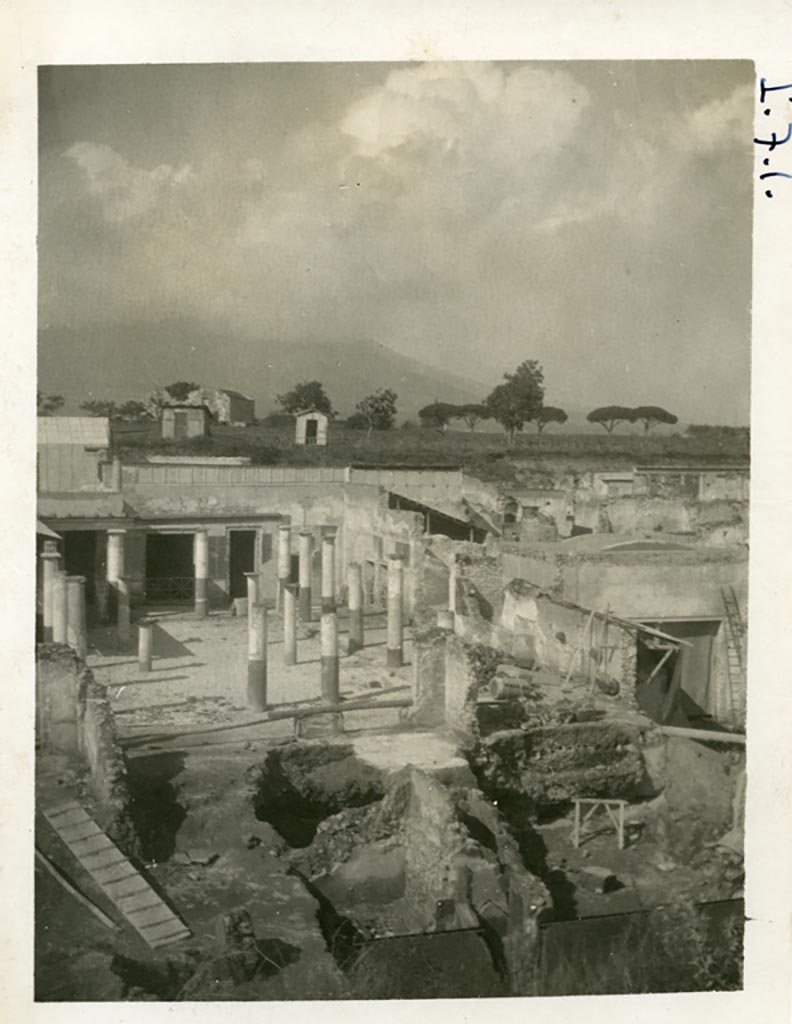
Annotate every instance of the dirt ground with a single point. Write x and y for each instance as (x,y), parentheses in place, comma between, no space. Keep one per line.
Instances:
(199,675)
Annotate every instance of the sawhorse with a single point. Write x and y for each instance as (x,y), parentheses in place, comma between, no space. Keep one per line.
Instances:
(614,809)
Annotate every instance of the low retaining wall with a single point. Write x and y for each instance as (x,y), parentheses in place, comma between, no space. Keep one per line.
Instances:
(552,765)
(74,717)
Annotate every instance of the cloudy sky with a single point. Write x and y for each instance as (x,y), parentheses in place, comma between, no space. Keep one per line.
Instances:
(595,216)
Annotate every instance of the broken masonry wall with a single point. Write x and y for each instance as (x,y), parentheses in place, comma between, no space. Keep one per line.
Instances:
(554,764)
(428,677)
(556,630)
(108,780)
(373,533)
(58,699)
(439,484)
(74,717)
(534,526)
(705,780)
(461,687)
(483,572)
(479,492)
(541,565)
(432,840)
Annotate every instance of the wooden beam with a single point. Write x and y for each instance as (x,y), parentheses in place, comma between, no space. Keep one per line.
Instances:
(709,735)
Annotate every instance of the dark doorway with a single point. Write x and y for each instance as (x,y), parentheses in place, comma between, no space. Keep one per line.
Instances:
(294,570)
(683,683)
(241,559)
(180,425)
(311,431)
(170,572)
(81,558)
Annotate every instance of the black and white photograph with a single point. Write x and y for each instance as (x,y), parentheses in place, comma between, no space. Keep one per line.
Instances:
(393,484)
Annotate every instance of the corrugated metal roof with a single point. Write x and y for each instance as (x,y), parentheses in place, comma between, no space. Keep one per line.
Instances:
(88,431)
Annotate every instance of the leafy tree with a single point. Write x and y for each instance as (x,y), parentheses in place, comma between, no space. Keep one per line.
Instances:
(549,414)
(357,421)
(519,398)
(438,414)
(609,415)
(48,404)
(472,413)
(650,415)
(379,409)
(134,412)
(310,394)
(101,407)
(180,390)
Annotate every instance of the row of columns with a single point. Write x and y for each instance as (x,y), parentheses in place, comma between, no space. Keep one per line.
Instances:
(64,608)
(63,603)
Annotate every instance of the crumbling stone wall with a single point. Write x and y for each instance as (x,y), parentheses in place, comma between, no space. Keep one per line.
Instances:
(556,763)
(461,687)
(556,629)
(74,717)
(703,778)
(428,677)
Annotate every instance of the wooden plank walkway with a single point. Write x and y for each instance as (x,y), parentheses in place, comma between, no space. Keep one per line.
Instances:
(148,914)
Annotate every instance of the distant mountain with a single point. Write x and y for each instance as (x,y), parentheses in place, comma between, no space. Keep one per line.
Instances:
(123,361)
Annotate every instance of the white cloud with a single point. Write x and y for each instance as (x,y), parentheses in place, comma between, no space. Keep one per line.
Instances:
(123,190)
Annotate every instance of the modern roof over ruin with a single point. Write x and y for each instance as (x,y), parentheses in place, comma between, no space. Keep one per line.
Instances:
(88,431)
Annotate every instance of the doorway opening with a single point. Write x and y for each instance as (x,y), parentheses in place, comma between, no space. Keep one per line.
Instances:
(180,425)
(170,572)
(311,431)
(241,559)
(82,556)
(675,683)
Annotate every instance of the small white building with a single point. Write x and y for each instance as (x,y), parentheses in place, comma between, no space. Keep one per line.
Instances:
(311,427)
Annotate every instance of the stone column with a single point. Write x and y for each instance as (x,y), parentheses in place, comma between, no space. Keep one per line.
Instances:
(328,573)
(252,590)
(306,551)
(201,573)
(329,646)
(355,605)
(124,612)
(115,556)
(289,624)
(257,658)
(452,585)
(75,615)
(284,559)
(115,580)
(145,644)
(59,610)
(115,474)
(50,565)
(395,657)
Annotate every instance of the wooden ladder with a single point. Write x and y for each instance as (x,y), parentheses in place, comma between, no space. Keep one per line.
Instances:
(118,879)
(735,641)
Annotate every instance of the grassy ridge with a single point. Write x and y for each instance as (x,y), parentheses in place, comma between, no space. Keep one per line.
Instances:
(486,455)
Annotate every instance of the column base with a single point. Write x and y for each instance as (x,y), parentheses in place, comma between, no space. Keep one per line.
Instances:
(257,685)
(395,658)
(330,687)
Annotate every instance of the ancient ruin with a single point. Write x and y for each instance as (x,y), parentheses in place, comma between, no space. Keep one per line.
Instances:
(378,732)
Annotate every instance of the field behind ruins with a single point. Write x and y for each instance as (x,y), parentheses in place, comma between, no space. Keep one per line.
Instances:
(487,455)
